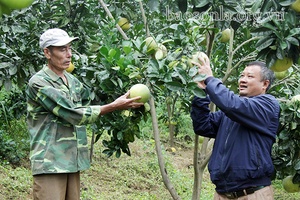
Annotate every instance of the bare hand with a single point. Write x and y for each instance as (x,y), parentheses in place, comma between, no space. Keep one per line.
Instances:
(203,68)
(123,102)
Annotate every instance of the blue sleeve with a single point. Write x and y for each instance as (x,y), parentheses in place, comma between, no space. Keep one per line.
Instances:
(260,113)
(205,123)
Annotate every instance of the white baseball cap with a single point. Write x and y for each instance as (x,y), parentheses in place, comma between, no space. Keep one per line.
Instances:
(55,37)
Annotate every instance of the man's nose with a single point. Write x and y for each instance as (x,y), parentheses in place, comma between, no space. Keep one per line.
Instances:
(69,52)
(242,80)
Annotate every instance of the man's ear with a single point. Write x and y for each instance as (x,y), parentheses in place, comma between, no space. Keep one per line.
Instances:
(47,53)
(266,84)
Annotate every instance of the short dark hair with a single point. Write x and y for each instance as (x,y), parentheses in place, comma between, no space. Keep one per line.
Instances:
(266,73)
(50,48)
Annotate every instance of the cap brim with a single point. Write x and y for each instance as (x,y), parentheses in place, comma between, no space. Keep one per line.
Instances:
(64,41)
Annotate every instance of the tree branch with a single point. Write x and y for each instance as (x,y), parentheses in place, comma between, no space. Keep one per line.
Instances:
(245,42)
(144,18)
(112,18)
(249,57)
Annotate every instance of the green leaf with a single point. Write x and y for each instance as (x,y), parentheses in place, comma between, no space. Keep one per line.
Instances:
(103,75)
(120,135)
(153,5)
(199,92)
(293,41)
(255,7)
(104,51)
(174,86)
(264,43)
(13,70)
(200,3)
(108,152)
(278,24)
(153,68)
(293,125)
(112,53)
(167,77)
(283,44)
(118,153)
(294,31)
(127,49)
(8,84)
(105,143)
(4,65)
(270,26)
(199,77)
(183,76)
(120,82)
(262,31)
(229,8)
(263,53)
(117,68)
(286,3)
(97,137)
(297,165)
(280,53)
(174,26)
(133,75)
(129,136)
(193,71)
(182,5)
(270,59)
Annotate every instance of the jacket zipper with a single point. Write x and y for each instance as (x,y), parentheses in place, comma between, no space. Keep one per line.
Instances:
(224,157)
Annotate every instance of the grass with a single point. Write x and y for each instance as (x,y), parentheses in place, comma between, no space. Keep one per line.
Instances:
(137,177)
(15,183)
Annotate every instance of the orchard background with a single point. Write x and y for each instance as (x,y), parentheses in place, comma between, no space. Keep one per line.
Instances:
(109,60)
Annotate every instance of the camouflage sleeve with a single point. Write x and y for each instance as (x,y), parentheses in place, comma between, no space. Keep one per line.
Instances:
(70,105)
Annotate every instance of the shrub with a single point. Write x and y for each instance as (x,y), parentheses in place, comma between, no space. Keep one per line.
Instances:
(14,143)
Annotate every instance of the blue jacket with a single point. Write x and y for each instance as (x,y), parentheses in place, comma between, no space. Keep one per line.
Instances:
(244,130)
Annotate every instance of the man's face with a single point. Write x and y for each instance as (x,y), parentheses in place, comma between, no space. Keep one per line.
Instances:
(250,82)
(59,58)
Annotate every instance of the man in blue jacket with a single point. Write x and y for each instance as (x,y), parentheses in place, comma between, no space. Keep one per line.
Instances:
(244,129)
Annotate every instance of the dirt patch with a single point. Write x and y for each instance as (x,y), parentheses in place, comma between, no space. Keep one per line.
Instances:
(182,158)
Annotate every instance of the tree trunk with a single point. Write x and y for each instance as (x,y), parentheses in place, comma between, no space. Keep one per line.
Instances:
(201,159)
(161,163)
(197,174)
(170,125)
(200,162)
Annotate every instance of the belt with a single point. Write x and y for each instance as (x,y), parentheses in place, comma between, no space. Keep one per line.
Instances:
(240,193)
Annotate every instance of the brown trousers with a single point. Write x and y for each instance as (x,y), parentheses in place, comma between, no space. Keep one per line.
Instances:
(56,186)
(265,193)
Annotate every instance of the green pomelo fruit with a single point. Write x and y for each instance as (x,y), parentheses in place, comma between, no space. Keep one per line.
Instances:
(17,4)
(140,90)
(151,45)
(225,35)
(281,65)
(289,186)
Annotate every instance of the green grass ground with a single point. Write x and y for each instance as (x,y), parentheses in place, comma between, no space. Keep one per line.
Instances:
(137,177)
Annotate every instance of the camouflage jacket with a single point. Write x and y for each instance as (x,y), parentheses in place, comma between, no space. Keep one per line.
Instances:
(56,117)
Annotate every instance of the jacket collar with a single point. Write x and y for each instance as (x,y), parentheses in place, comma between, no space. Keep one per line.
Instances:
(51,74)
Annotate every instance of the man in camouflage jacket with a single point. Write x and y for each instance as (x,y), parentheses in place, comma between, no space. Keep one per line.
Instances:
(58,109)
